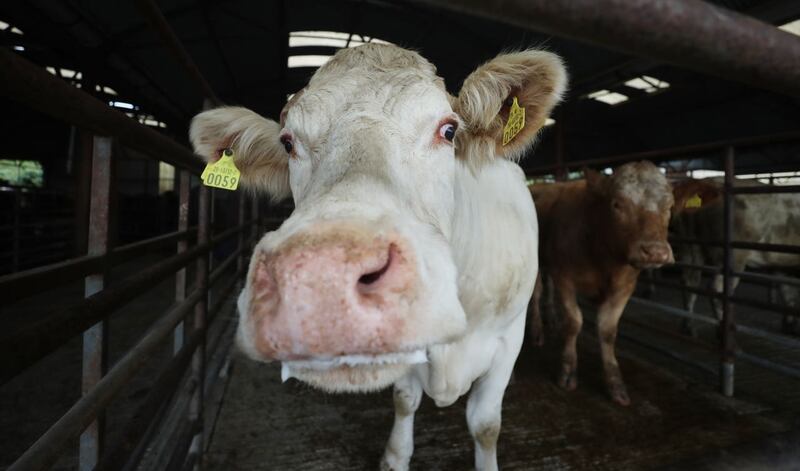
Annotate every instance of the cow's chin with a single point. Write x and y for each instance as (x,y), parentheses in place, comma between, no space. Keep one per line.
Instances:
(353,373)
(646,264)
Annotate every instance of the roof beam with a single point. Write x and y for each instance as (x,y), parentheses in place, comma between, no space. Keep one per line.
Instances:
(687,33)
(25,82)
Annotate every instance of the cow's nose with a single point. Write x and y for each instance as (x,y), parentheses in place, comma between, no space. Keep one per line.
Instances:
(655,253)
(332,296)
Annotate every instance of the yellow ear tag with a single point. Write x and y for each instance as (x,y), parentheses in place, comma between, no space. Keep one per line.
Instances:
(694,202)
(516,121)
(222,173)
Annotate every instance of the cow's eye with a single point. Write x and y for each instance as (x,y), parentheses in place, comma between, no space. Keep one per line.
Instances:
(287,144)
(448,131)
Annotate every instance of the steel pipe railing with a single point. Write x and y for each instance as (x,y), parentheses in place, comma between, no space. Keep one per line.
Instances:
(32,85)
(26,283)
(692,34)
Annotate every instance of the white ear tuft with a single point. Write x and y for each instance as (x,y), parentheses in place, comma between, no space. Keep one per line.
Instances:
(258,153)
(538,79)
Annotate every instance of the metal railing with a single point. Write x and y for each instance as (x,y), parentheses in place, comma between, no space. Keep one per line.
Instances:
(727,348)
(186,323)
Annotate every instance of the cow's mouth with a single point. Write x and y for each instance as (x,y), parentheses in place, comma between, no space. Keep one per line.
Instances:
(353,373)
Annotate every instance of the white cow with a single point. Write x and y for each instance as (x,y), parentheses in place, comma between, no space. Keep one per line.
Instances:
(412,251)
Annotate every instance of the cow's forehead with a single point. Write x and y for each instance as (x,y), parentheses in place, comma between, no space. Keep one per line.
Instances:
(643,183)
(376,76)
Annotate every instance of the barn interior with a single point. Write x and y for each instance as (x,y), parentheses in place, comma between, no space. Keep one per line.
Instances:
(160,64)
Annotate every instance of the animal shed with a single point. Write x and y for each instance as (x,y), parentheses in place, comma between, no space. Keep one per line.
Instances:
(120,269)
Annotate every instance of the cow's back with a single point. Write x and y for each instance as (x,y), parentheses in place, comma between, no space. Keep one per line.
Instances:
(563,229)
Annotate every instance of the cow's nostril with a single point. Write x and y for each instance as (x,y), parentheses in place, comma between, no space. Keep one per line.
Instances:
(372,277)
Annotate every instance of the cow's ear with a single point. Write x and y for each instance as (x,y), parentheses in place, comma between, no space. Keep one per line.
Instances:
(536,79)
(258,153)
(692,195)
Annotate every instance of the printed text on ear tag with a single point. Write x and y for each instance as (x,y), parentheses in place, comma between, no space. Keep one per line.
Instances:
(516,121)
(694,202)
(223,173)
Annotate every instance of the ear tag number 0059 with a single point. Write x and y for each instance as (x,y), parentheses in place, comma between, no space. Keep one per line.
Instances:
(694,202)
(516,121)
(223,173)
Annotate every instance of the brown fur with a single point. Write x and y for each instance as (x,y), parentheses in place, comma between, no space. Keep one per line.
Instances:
(590,231)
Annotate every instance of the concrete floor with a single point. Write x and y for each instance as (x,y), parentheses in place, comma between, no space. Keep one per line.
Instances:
(266,425)
(677,420)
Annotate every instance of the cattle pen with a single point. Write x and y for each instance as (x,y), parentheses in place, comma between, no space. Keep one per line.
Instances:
(120,270)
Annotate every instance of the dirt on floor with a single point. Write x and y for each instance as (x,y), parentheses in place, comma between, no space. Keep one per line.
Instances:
(266,425)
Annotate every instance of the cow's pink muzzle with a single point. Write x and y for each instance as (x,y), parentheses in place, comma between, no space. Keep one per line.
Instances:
(338,291)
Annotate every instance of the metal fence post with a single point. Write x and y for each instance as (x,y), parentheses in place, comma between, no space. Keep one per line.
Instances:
(200,313)
(728,326)
(183,184)
(95,339)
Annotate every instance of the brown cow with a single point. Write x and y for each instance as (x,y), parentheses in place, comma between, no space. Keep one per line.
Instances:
(596,235)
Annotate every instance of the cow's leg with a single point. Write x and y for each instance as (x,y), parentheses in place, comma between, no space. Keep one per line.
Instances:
(486,398)
(691,279)
(717,287)
(549,293)
(536,328)
(407,397)
(573,321)
(608,316)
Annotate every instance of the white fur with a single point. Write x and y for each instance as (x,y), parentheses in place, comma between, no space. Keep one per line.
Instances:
(366,150)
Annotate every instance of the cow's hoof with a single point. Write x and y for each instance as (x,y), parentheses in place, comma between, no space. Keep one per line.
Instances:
(619,394)
(568,379)
(390,462)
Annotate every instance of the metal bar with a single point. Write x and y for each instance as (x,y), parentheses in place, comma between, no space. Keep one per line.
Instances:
(672,152)
(38,337)
(191,462)
(694,266)
(180,276)
(727,325)
(770,365)
(199,322)
(29,282)
(33,86)
(162,390)
(45,451)
(749,276)
(673,311)
(664,351)
(687,33)
(95,338)
(183,444)
(739,245)
(680,286)
(775,308)
(159,24)
(225,265)
(130,251)
(764,278)
(768,189)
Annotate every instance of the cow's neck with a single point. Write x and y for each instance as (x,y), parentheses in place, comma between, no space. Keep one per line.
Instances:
(494,240)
